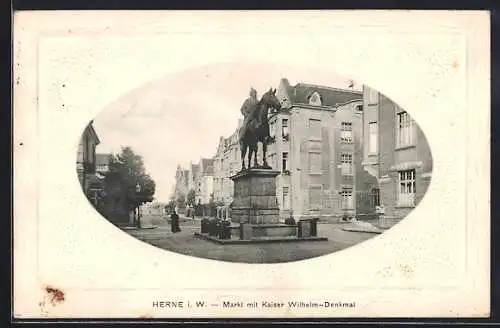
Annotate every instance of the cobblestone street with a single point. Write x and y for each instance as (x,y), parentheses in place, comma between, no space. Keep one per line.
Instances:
(186,243)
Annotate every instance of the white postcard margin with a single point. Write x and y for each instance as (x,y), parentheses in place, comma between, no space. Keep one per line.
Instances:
(435,64)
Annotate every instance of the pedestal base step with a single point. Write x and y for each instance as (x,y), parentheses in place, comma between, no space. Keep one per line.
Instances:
(267,230)
(260,240)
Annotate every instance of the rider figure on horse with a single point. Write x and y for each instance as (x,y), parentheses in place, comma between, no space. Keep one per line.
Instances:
(255,126)
(248,109)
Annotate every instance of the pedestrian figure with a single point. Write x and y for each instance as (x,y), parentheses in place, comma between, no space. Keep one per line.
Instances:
(174,222)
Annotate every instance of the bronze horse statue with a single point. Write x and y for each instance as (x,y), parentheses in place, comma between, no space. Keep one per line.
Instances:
(257,130)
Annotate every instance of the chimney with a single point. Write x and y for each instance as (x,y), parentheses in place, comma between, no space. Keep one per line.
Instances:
(285,82)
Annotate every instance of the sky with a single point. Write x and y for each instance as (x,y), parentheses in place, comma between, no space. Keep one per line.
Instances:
(180,118)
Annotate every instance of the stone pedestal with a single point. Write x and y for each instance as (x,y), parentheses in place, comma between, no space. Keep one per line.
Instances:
(255,213)
(254,199)
(304,228)
(246,231)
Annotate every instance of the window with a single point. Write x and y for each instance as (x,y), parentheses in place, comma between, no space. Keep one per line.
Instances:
(286,198)
(372,96)
(80,153)
(346,132)
(272,129)
(315,197)
(406,192)
(314,163)
(315,99)
(404,130)
(315,129)
(375,196)
(284,128)
(346,160)
(346,198)
(284,162)
(373,135)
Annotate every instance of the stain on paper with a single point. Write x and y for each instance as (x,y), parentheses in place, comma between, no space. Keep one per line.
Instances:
(52,296)
(55,295)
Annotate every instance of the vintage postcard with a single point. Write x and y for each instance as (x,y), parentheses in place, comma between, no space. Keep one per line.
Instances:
(244,164)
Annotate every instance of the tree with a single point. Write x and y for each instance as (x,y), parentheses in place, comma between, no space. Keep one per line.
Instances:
(127,184)
(191,197)
(212,207)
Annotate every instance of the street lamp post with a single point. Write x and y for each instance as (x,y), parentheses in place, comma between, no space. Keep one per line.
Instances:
(137,191)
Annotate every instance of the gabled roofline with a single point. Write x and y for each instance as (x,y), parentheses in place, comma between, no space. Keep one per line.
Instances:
(90,127)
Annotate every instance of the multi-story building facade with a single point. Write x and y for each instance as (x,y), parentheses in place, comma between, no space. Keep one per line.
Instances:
(204,182)
(198,178)
(194,170)
(95,181)
(219,174)
(88,167)
(396,153)
(181,182)
(227,163)
(317,147)
(86,157)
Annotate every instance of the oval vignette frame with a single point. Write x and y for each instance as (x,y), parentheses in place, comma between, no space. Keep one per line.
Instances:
(350,163)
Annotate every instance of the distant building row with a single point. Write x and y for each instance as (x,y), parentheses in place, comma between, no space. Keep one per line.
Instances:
(199,178)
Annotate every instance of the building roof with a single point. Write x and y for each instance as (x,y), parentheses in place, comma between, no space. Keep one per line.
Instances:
(300,93)
(91,131)
(220,146)
(102,159)
(195,168)
(207,166)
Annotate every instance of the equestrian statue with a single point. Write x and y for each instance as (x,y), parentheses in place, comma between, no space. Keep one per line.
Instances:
(255,127)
